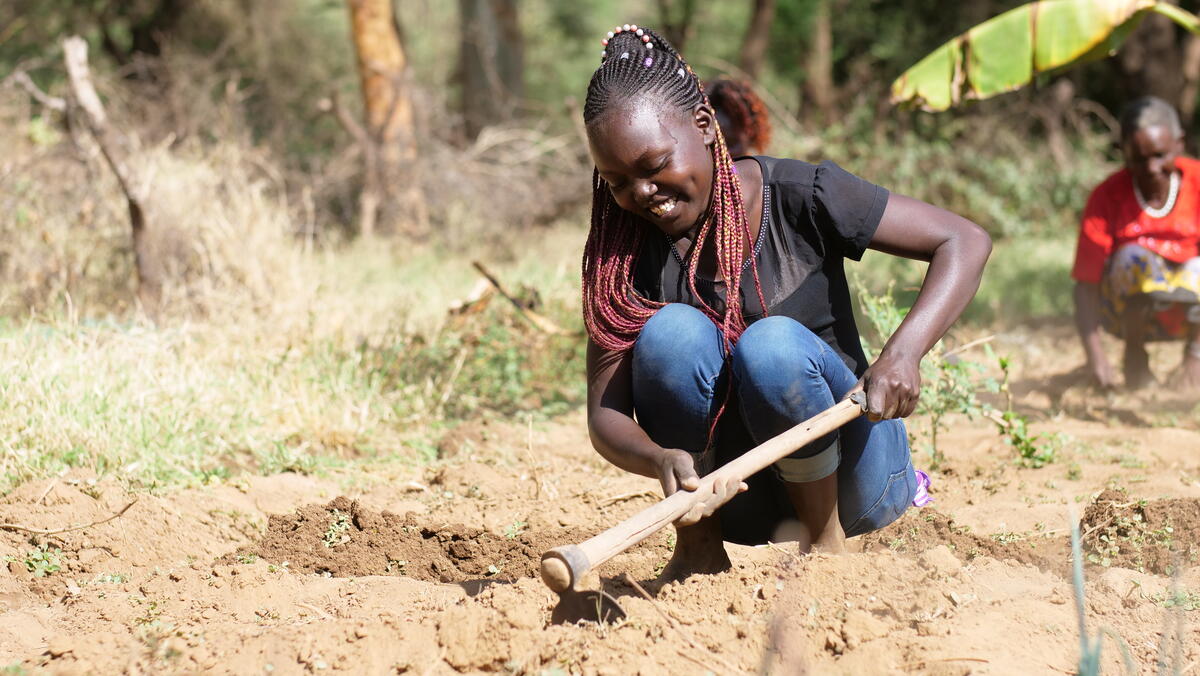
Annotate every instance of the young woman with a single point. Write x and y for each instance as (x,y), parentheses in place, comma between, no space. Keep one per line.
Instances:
(718,312)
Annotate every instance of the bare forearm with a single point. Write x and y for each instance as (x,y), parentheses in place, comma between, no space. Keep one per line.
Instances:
(950,283)
(621,441)
(1087,318)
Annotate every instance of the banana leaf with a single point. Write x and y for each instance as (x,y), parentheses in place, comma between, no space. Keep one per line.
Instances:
(1008,51)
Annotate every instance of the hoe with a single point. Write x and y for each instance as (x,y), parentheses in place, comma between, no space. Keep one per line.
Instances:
(563,567)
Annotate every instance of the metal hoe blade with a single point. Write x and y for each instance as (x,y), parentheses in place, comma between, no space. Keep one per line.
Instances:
(589,606)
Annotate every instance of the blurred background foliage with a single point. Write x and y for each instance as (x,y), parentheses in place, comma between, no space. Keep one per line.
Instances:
(254,146)
(496,85)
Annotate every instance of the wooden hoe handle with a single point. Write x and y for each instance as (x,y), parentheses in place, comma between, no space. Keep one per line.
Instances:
(563,566)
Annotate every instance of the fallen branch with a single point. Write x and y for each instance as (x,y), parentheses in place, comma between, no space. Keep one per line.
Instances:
(21,79)
(49,487)
(55,531)
(966,346)
(539,322)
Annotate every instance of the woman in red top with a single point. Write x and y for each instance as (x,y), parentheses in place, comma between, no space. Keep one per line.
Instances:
(1137,265)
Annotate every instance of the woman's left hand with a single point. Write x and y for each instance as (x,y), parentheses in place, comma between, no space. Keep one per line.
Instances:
(893,386)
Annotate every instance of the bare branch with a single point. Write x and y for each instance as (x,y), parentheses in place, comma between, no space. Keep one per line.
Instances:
(333,104)
(111,142)
(68,529)
(543,324)
(21,79)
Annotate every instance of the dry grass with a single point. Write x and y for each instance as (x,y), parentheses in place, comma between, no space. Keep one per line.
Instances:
(278,345)
(218,219)
(353,369)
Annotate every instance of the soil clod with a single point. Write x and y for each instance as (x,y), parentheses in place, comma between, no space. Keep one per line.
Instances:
(1159,536)
(344,539)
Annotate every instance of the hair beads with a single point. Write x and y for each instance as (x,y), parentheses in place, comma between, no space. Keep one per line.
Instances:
(642,34)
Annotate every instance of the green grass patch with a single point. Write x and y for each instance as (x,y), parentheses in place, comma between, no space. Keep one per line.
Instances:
(1024,279)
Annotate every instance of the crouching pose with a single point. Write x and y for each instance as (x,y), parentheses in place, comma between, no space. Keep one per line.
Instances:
(1137,265)
(719,315)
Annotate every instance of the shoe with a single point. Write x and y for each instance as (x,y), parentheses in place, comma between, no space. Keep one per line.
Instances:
(922,497)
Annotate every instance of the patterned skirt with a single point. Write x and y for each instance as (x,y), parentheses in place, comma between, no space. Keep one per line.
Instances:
(1173,290)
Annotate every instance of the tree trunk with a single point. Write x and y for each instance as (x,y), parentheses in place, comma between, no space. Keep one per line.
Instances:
(1151,61)
(382,69)
(112,147)
(758,36)
(491,62)
(677,17)
(1191,80)
(818,85)
(389,147)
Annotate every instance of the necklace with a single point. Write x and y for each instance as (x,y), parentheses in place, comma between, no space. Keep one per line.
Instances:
(1167,206)
(758,242)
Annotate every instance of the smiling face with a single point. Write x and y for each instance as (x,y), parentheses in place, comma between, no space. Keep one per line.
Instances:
(1150,156)
(657,161)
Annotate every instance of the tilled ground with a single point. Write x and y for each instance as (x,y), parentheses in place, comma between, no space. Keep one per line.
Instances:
(433,570)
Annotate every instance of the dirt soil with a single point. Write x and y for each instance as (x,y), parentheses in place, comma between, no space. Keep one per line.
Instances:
(432,570)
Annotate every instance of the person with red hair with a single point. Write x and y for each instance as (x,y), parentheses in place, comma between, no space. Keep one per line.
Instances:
(741,115)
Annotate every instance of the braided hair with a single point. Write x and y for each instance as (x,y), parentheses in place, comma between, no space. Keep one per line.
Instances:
(639,63)
(747,113)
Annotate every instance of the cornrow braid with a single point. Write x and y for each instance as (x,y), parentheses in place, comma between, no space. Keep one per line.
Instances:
(614,312)
(743,107)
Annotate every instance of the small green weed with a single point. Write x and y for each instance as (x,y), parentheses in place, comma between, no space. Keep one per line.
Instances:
(1181,599)
(514,529)
(1033,450)
(336,533)
(43,561)
(1007,538)
(247,559)
(110,578)
(1128,533)
(1129,461)
(152,609)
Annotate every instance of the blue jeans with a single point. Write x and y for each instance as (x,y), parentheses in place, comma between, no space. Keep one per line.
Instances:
(782,375)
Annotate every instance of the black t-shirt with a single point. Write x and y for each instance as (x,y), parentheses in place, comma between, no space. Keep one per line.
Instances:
(813,217)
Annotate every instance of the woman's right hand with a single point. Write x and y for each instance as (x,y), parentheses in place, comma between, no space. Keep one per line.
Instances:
(677,470)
